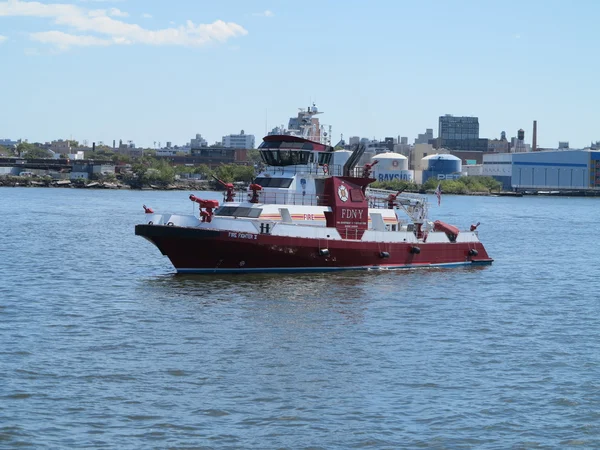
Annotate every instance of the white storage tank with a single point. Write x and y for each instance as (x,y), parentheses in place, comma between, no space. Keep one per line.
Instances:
(339,159)
(391,166)
(441,167)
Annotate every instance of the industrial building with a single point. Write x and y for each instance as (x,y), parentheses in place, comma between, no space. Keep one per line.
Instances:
(460,133)
(556,170)
(499,166)
(552,170)
(241,140)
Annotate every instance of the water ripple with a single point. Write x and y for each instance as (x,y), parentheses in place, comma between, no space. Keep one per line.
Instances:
(104,347)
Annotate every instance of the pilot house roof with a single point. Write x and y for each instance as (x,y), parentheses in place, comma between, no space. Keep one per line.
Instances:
(289,141)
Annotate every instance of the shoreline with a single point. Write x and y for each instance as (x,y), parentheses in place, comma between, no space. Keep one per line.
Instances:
(181,186)
(207,185)
(99,185)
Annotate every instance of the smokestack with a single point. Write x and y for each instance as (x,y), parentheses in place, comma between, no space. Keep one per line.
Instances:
(93,146)
(534,141)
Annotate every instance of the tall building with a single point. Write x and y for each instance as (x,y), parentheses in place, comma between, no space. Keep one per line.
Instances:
(61,147)
(460,133)
(499,145)
(518,145)
(241,140)
(459,128)
(8,143)
(198,142)
(354,140)
(424,138)
(389,143)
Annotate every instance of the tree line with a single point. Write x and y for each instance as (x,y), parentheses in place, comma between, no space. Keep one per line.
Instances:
(462,185)
(152,170)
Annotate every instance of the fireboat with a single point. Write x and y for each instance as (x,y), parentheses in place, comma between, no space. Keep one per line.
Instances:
(303,213)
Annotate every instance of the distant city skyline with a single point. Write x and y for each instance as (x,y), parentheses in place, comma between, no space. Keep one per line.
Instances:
(139,70)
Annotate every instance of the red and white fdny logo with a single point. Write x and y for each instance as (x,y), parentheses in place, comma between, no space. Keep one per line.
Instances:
(343,193)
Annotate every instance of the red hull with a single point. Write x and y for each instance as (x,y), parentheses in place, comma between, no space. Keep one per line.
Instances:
(193,250)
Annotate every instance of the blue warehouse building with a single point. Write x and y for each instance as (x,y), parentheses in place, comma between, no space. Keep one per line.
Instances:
(556,170)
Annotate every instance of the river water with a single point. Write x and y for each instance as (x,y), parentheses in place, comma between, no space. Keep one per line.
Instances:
(104,347)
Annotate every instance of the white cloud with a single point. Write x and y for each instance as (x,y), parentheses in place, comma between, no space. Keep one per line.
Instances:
(265,13)
(64,40)
(116,12)
(2,39)
(147,16)
(114,31)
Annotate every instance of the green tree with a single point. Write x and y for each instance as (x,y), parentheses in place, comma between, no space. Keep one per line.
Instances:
(150,170)
(118,158)
(464,185)
(396,185)
(234,172)
(30,151)
(183,169)
(225,172)
(243,173)
(203,170)
(254,156)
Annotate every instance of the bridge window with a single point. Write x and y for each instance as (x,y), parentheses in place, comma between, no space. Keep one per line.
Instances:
(278,157)
(325,158)
(274,182)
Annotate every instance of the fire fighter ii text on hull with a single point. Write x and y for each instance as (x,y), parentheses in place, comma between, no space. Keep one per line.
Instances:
(303,213)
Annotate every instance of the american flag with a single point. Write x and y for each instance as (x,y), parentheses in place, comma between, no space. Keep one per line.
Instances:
(438,193)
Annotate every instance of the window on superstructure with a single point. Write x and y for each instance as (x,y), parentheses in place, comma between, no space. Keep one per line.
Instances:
(283,157)
(325,158)
(274,182)
(238,211)
(268,157)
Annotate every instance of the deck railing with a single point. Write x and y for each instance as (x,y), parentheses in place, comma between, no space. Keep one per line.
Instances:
(331,169)
(283,198)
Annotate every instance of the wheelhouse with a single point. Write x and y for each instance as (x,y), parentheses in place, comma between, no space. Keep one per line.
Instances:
(287,150)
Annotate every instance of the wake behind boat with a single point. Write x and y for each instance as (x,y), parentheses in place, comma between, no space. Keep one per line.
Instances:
(303,213)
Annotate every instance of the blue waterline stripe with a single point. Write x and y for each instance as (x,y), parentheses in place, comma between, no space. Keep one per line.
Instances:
(330,269)
(520,163)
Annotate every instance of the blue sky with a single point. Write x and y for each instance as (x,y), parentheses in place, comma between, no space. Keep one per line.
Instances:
(139,70)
